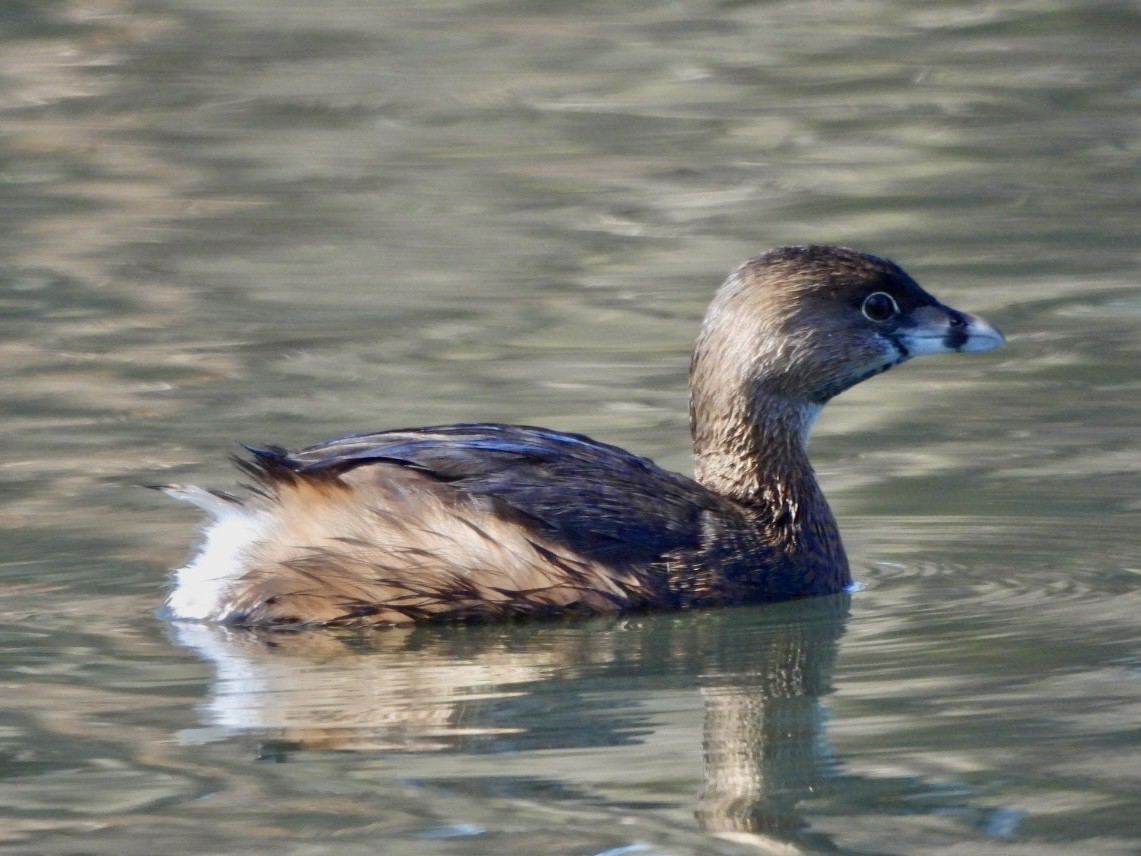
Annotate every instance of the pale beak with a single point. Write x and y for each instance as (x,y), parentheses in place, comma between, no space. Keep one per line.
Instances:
(981,336)
(942,330)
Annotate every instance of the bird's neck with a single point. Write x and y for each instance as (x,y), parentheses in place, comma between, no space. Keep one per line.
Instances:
(753,450)
(755,453)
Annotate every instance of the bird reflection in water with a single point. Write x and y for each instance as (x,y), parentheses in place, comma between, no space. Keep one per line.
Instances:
(761,674)
(763,742)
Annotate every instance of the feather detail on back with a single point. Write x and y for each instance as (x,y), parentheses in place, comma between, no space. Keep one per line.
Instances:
(406,549)
(367,539)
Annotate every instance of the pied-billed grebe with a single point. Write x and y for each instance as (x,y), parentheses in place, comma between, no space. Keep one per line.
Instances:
(485,521)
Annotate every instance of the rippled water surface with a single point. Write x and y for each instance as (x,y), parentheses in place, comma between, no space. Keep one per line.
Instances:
(281,221)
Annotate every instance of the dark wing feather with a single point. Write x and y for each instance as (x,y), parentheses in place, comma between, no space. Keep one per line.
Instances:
(599,500)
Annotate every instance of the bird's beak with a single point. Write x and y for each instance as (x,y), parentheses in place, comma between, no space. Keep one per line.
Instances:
(942,330)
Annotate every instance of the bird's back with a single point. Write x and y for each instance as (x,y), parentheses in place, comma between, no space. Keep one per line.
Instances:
(457,522)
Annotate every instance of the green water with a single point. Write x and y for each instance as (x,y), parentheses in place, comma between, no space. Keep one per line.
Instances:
(282,221)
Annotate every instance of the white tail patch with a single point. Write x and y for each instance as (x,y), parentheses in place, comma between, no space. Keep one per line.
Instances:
(202,589)
(217,505)
(404,545)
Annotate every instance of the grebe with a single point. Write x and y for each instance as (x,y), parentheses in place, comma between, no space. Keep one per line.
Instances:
(490,521)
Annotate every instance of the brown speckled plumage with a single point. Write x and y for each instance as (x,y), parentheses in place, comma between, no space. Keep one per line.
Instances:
(488,521)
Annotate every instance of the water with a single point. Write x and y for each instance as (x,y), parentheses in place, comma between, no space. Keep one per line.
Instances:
(283,221)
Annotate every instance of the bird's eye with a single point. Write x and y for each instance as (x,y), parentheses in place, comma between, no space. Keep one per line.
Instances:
(879,306)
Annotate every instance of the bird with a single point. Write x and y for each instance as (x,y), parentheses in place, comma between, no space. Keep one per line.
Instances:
(490,521)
